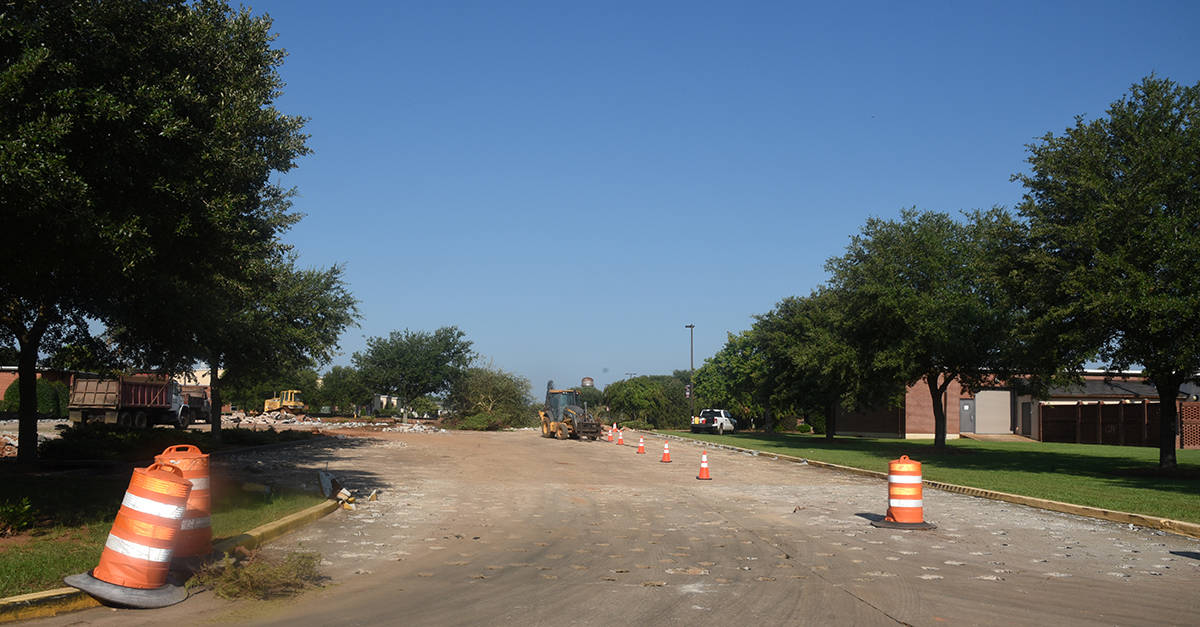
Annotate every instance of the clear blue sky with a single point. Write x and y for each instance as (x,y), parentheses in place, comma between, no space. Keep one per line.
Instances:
(571,183)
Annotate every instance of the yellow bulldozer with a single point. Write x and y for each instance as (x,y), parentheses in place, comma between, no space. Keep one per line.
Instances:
(288,400)
(564,418)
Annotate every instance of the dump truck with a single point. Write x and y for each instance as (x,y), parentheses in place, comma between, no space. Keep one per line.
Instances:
(136,401)
(288,400)
(563,417)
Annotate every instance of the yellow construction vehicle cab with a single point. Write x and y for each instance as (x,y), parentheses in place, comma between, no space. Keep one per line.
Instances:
(288,400)
(563,418)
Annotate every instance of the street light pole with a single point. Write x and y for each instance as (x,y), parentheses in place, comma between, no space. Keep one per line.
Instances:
(691,366)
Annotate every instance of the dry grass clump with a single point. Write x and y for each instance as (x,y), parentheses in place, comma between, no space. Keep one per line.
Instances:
(256,576)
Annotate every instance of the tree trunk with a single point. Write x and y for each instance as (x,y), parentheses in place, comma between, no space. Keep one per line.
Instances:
(831,421)
(27,412)
(936,393)
(1168,420)
(214,389)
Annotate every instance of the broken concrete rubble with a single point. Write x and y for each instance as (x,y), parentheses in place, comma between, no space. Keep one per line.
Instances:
(274,418)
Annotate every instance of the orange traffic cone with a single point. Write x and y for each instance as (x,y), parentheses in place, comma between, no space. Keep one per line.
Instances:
(641,446)
(620,438)
(195,532)
(666,459)
(704,467)
(610,433)
(137,555)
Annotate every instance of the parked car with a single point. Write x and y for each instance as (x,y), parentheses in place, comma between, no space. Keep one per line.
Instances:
(717,421)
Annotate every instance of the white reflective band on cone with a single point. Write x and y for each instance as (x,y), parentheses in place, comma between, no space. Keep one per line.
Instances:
(200,483)
(154,508)
(904,503)
(137,551)
(195,523)
(903,479)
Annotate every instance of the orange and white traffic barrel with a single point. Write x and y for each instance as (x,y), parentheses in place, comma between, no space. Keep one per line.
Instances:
(906,503)
(195,532)
(137,555)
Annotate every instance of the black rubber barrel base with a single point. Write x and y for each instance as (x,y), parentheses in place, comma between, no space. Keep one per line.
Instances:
(121,596)
(887,524)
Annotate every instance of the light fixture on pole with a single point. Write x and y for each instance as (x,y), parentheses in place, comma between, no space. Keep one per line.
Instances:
(691,366)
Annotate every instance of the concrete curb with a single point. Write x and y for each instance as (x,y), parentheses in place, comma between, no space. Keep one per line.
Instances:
(64,600)
(1178,527)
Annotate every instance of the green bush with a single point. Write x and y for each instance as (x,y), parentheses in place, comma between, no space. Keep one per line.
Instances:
(112,442)
(16,516)
(53,397)
(805,428)
(816,422)
(480,422)
(635,424)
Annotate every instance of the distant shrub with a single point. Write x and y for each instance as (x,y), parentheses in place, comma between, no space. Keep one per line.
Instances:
(480,422)
(113,442)
(53,397)
(635,424)
(816,422)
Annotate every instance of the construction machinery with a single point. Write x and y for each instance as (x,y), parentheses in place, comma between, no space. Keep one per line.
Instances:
(138,401)
(563,417)
(288,400)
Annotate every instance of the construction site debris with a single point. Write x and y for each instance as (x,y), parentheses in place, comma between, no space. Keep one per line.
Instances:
(9,443)
(274,418)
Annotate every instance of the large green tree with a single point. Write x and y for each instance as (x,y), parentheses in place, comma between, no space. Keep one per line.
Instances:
(137,139)
(733,378)
(1113,208)
(657,399)
(342,388)
(410,364)
(812,365)
(915,304)
(502,395)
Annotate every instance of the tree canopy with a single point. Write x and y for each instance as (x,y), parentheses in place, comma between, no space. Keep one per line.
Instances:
(1113,208)
(656,399)
(410,364)
(487,390)
(915,304)
(137,144)
(733,378)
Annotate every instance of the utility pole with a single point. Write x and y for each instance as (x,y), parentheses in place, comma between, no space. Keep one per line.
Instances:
(691,366)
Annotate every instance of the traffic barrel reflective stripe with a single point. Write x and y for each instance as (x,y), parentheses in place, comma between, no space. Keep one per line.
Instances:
(137,553)
(195,532)
(905,498)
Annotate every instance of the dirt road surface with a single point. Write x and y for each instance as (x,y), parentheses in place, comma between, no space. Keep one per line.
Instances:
(513,529)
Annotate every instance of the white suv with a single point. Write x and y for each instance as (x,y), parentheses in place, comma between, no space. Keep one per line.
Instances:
(716,421)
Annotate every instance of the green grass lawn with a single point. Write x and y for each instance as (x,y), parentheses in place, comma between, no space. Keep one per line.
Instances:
(39,561)
(1111,477)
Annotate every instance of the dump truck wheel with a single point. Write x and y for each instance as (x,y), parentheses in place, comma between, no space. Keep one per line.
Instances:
(124,419)
(140,421)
